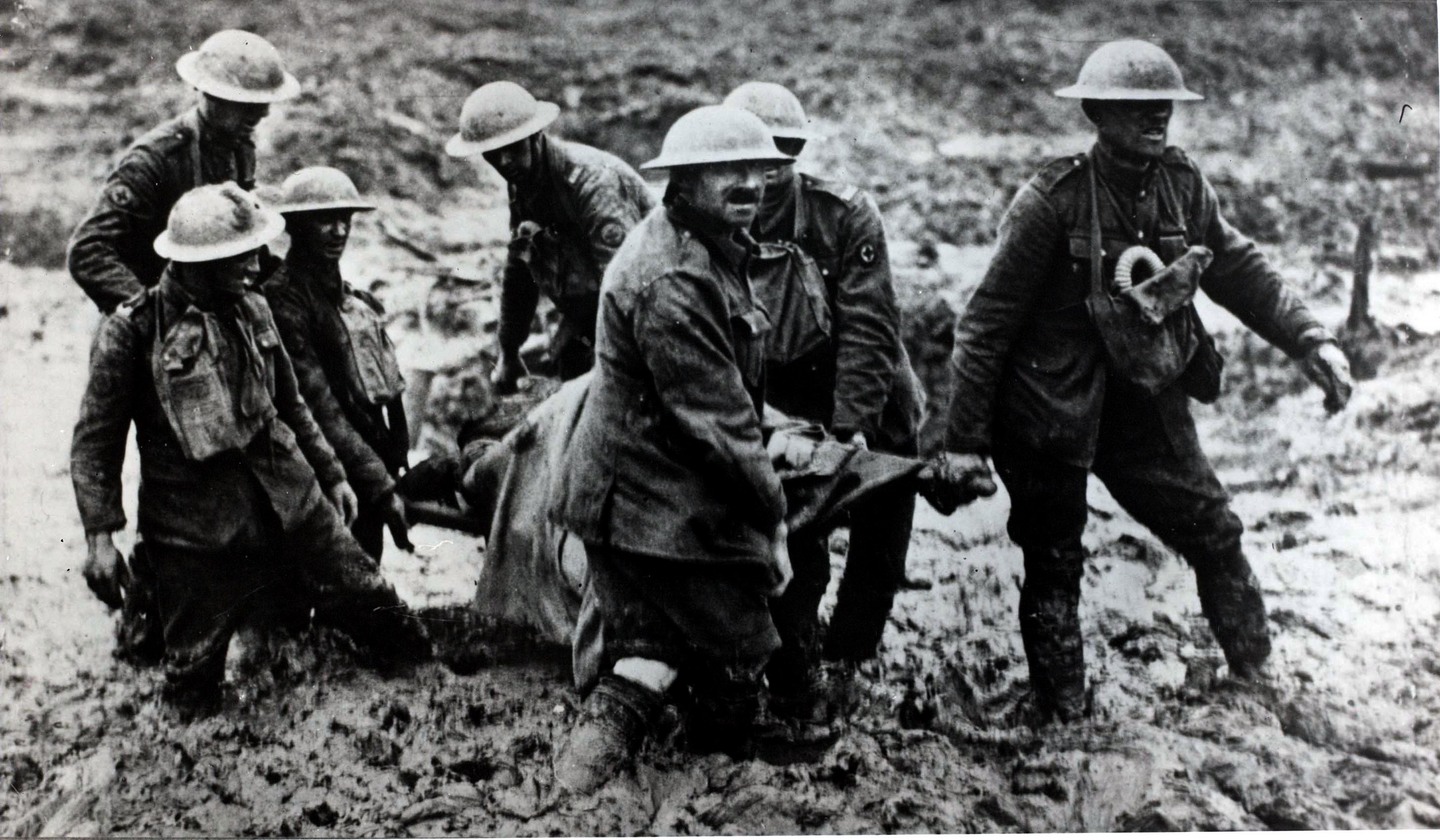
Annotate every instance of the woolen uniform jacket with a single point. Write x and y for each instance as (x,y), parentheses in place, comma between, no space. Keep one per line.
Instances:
(668,458)
(306,301)
(1028,357)
(584,201)
(200,505)
(861,380)
(112,252)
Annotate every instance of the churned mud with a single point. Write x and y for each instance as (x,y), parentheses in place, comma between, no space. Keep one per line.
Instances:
(941,119)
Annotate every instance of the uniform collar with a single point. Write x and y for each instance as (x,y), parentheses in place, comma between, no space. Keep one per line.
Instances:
(320,275)
(779,216)
(733,245)
(225,141)
(1125,175)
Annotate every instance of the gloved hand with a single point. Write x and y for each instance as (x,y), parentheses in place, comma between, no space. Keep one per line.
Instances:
(105,572)
(789,450)
(1327,367)
(506,375)
(345,501)
(780,553)
(952,479)
(393,512)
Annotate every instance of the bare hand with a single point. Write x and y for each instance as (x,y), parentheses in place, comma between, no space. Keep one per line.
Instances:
(104,571)
(506,375)
(952,479)
(780,553)
(393,512)
(345,502)
(1328,368)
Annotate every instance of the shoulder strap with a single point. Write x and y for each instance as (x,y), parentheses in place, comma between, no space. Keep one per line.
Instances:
(1096,279)
(197,177)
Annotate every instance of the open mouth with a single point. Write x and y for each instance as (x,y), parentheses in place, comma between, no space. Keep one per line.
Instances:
(742,198)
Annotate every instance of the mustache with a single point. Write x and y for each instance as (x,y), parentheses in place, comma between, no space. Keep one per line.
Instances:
(742,195)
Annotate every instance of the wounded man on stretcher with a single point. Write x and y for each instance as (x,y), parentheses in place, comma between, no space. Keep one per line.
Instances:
(535,574)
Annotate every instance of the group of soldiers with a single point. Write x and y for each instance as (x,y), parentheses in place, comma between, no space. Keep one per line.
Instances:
(266,396)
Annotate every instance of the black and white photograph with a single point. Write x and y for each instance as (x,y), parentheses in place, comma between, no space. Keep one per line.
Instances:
(498,418)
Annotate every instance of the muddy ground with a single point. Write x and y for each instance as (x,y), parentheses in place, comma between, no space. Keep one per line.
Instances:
(940,108)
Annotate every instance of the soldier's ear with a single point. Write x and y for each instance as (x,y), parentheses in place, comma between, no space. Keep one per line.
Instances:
(1092,109)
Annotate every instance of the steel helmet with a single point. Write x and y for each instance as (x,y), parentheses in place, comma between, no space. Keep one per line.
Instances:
(1133,70)
(776,106)
(717,134)
(496,115)
(238,66)
(319,188)
(217,221)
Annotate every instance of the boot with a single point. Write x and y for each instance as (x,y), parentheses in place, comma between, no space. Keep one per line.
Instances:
(800,723)
(1050,628)
(1231,601)
(617,714)
(723,719)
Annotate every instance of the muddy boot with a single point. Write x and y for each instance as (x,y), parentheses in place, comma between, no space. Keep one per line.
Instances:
(1231,601)
(723,719)
(1050,628)
(800,723)
(617,714)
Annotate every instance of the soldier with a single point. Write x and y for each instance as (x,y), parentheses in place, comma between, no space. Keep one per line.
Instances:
(570,208)
(834,358)
(231,510)
(239,75)
(667,480)
(343,358)
(1066,364)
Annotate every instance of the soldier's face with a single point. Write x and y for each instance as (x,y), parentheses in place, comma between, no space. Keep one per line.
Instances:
(729,192)
(323,233)
(1137,129)
(229,278)
(235,118)
(512,161)
(780,174)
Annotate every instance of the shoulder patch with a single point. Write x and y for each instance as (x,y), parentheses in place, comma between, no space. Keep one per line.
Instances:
(1053,173)
(867,254)
(120,195)
(612,234)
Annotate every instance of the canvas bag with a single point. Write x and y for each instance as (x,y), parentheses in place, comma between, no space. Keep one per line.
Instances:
(1151,332)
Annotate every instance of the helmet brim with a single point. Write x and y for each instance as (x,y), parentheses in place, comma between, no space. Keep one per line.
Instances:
(189,70)
(169,249)
(545,113)
(796,134)
(316,206)
(669,162)
(1127,94)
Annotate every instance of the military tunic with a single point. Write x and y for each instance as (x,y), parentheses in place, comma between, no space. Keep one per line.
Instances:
(111,253)
(856,379)
(230,507)
(1035,388)
(667,480)
(566,224)
(308,299)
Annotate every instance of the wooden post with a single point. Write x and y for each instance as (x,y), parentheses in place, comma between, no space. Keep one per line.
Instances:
(1360,319)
